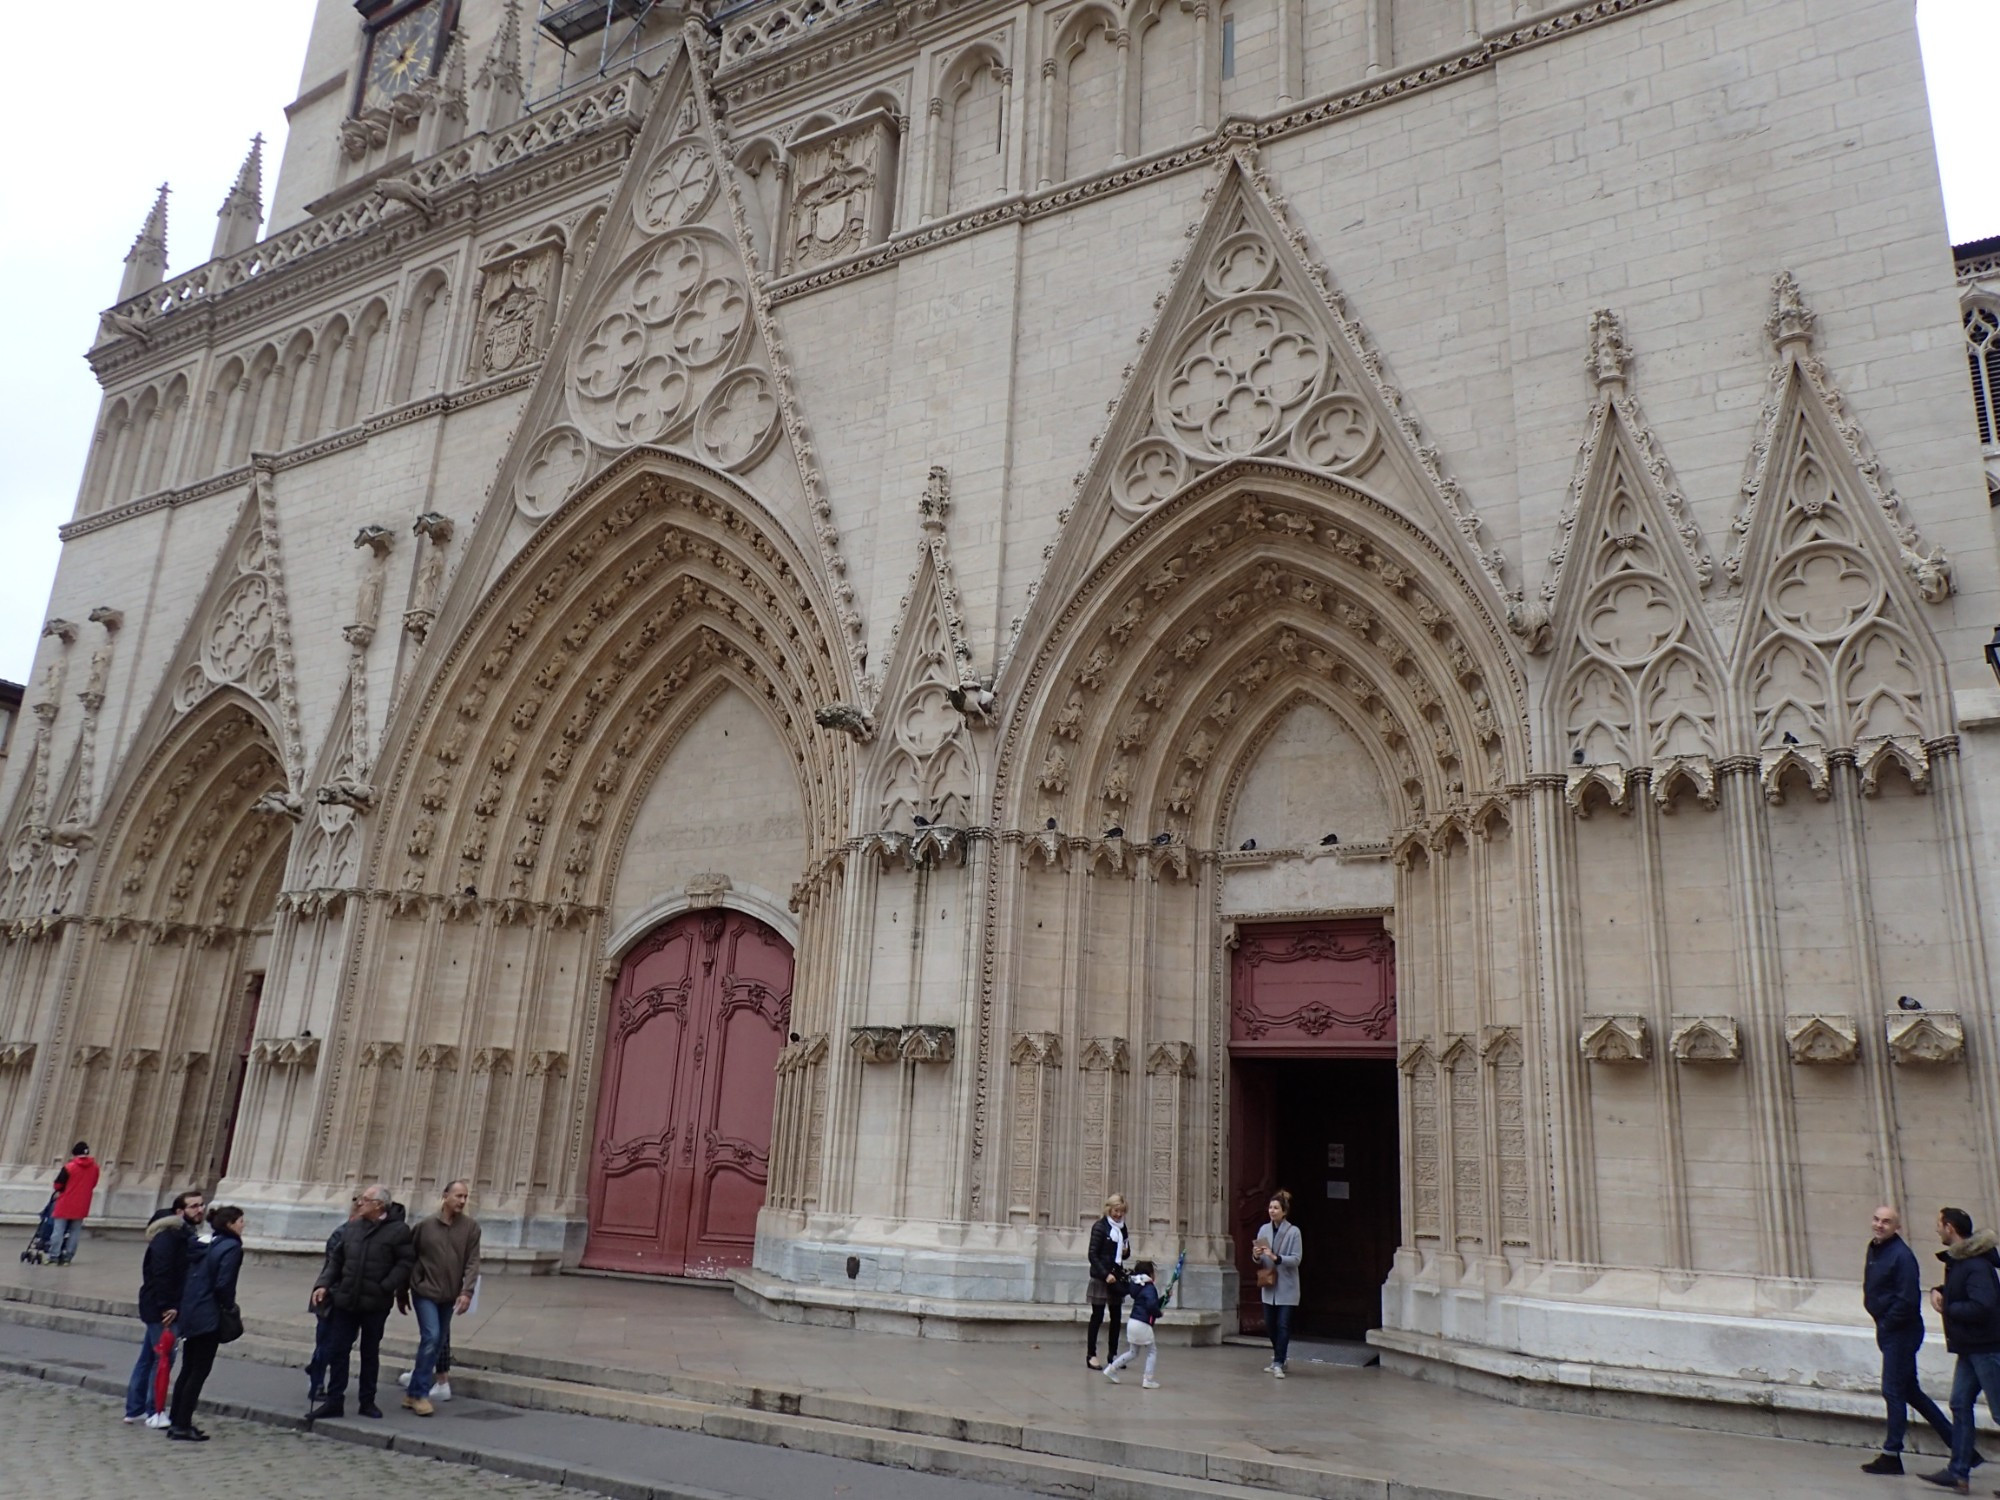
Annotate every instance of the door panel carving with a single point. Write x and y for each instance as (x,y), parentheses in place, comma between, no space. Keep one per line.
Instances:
(683,1144)
(1318,989)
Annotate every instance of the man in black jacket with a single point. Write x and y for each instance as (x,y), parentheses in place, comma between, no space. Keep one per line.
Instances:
(366,1268)
(1893,1292)
(1970,1302)
(161,1274)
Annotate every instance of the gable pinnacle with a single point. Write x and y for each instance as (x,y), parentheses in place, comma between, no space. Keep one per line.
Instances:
(242,211)
(146,261)
(499,84)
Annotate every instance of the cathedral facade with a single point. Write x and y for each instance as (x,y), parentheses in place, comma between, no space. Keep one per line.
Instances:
(805,636)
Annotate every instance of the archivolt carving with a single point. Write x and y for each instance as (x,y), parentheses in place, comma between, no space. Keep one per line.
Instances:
(608,634)
(1356,613)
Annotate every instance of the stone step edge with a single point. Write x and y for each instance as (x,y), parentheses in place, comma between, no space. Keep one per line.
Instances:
(411,1444)
(840,1416)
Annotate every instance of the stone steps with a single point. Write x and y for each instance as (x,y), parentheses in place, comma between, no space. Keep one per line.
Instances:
(1045,1460)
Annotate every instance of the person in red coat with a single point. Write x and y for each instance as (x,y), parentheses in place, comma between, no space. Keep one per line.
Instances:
(76,1183)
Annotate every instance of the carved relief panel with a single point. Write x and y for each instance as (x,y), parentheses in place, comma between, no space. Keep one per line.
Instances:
(843,190)
(1320,989)
(517,302)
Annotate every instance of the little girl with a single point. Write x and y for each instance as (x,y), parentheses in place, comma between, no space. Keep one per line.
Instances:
(1147,1304)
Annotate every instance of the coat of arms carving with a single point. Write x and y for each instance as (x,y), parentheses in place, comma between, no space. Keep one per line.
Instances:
(842,201)
(515,297)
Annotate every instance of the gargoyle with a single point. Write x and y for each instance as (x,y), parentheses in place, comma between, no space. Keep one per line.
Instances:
(846,718)
(343,792)
(279,804)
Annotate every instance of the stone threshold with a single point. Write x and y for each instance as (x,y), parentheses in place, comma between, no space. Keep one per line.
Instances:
(1041,1459)
(942,1317)
(1752,1408)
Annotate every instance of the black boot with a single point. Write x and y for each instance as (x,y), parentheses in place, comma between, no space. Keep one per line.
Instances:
(1884,1463)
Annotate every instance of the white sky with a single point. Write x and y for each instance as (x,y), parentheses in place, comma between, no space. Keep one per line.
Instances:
(146,93)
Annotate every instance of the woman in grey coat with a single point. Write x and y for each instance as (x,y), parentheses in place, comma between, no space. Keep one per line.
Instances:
(1278,1251)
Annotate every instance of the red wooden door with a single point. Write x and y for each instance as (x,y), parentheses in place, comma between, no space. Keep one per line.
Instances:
(683,1142)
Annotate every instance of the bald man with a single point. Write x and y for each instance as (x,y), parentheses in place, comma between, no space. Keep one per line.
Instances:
(1892,1291)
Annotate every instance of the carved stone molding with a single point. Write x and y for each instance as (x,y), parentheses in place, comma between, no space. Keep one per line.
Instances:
(1036,1049)
(1925,1036)
(1615,1039)
(1104,1054)
(1815,1039)
(877,1044)
(927,1044)
(438,1057)
(1706,1039)
(285,1052)
(16,1054)
(548,1064)
(381,1055)
(1177,1058)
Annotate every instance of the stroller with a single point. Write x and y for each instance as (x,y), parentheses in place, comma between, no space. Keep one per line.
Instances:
(38,1244)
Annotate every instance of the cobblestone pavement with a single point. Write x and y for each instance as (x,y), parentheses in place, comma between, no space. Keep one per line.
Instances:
(62,1441)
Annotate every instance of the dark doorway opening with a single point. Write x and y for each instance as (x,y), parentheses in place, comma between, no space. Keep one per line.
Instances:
(1313,1109)
(1326,1130)
(243,1028)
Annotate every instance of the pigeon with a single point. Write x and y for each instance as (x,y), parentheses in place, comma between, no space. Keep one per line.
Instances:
(1576,756)
(1050,825)
(1114,833)
(920,820)
(1330,840)
(1162,838)
(1246,845)
(1790,738)
(1909,1002)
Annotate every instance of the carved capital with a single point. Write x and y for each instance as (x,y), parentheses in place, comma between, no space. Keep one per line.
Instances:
(928,1044)
(1706,1039)
(876,1044)
(1175,1058)
(1105,1054)
(1925,1037)
(1615,1039)
(1036,1049)
(1815,1039)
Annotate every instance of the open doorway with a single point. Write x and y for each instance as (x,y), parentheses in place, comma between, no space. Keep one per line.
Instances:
(1313,1108)
(1325,1129)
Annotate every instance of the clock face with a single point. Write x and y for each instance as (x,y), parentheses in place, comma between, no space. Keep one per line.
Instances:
(402,53)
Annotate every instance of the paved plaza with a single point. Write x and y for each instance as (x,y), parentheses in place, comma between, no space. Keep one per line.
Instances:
(60,1440)
(1016,1416)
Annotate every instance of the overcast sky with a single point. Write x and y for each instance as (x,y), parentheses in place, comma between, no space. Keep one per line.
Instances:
(114,118)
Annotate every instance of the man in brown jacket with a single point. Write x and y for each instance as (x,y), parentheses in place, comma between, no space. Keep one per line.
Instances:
(447,1268)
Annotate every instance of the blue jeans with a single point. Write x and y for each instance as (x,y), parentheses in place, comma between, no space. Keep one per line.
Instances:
(1976,1373)
(64,1236)
(1278,1323)
(139,1389)
(1900,1389)
(433,1339)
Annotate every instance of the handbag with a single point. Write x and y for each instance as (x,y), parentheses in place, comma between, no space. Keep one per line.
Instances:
(229,1325)
(1267,1276)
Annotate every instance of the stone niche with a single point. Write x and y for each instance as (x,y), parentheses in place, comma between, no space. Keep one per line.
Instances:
(843,190)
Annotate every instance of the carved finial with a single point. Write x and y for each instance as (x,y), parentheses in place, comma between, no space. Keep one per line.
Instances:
(242,211)
(63,630)
(1791,321)
(378,539)
(146,261)
(1609,354)
(936,502)
(445,104)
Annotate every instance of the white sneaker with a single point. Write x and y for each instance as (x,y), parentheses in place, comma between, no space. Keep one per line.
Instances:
(1111,1375)
(1279,1371)
(159,1419)
(1149,1385)
(404,1379)
(441,1391)
(140,1418)
(1269,1370)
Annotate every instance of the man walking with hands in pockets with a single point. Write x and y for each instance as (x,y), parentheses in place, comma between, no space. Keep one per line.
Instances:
(447,1245)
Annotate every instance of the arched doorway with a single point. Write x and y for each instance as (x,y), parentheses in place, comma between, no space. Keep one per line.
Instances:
(683,1140)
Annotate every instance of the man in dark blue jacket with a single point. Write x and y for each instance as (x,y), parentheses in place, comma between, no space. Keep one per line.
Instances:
(161,1274)
(1970,1302)
(1893,1292)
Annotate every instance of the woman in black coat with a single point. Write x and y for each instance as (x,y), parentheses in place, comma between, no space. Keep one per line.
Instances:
(1110,1248)
(208,1296)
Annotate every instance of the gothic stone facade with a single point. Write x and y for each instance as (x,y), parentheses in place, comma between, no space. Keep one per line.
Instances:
(965,498)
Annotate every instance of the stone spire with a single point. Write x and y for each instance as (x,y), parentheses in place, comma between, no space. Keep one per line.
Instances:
(242,212)
(499,85)
(146,261)
(443,122)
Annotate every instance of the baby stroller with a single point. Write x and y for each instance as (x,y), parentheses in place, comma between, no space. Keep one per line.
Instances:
(38,1243)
